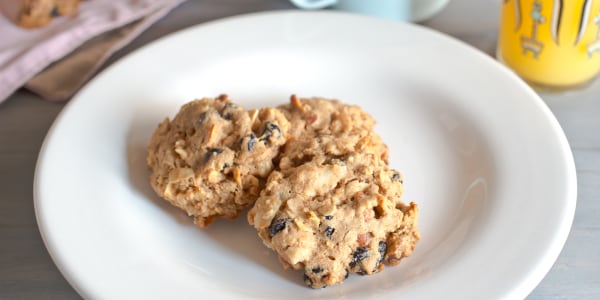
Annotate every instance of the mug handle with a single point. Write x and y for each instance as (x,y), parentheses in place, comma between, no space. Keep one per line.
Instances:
(313,4)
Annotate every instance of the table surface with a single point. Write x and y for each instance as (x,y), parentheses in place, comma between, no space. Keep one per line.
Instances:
(27,271)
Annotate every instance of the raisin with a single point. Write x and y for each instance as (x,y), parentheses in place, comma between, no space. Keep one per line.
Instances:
(307,280)
(211,152)
(201,117)
(54,12)
(227,110)
(271,130)
(360,254)
(397,177)
(362,272)
(329,231)
(328,217)
(251,142)
(317,270)
(277,226)
(382,248)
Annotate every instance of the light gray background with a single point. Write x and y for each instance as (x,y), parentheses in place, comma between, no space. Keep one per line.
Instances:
(27,272)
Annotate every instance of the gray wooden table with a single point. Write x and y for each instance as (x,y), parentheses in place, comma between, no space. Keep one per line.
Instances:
(27,271)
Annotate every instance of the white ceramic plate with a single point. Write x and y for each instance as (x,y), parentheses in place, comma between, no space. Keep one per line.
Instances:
(481,154)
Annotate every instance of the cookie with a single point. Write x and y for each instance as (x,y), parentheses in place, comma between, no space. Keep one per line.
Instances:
(212,159)
(333,205)
(39,13)
(334,216)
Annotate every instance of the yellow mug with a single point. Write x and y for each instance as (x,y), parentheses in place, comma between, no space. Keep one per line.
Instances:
(551,43)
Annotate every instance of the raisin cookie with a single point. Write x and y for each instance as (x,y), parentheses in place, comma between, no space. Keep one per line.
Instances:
(39,13)
(212,159)
(333,206)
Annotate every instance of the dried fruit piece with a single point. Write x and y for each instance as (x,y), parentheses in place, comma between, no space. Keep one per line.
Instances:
(307,280)
(363,239)
(277,225)
(329,231)
(227,110)
(397,177)
(251,142)
(211,152)
(359,254)
(201,118)
(382,248)
(271,130)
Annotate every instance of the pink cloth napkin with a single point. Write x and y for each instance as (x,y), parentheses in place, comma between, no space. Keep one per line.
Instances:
(87,39)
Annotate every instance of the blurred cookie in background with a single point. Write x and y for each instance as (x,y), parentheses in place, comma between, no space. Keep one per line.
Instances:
(39,13)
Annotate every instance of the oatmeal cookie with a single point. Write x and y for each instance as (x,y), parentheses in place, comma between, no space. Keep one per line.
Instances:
(39,13)
(332,217)
(333,206)
(212,159)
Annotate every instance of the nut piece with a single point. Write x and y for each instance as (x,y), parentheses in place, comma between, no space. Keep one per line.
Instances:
(296,103)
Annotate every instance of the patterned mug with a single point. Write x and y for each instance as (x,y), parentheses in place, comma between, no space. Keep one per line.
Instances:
(552,44)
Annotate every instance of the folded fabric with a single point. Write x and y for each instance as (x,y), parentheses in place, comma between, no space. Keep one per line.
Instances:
(24,53)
